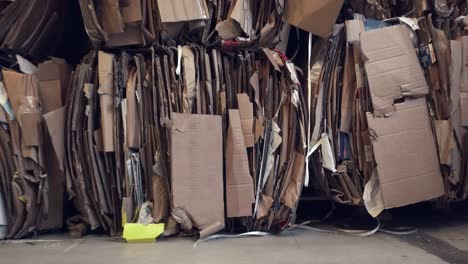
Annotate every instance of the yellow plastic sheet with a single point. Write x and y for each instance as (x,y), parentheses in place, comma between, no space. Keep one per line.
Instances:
(139,233)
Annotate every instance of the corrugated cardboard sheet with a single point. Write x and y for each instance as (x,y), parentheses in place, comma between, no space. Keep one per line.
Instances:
(404,145)
(197,167)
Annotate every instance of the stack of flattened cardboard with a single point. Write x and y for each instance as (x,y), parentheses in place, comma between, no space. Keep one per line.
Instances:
(201,134)
(31,26)
(31,138)
(242,23)
(385,101)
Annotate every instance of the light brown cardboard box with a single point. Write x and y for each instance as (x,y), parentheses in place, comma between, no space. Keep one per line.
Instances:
(403,142)
(197,167)
(53,94)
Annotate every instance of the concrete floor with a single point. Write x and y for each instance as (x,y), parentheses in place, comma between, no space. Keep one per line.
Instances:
(295,246)
(442,237)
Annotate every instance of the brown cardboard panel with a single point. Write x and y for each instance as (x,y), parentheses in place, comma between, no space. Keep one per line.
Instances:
(464,109)
(239,184)
(392,67)
(182,10)
(106,93)
(406,155)
(18,86)
(247,119)
(316,16)
(55,122)
(51,95)
(197,167)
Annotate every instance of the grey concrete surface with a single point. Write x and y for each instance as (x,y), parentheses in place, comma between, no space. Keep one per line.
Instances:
(296,246)
(456,236)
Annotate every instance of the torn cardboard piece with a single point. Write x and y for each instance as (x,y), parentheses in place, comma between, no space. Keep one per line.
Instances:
(197,167)
(392,68)
(239,183)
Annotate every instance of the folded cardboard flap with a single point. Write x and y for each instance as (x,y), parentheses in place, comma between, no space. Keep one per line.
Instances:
(392,67)
(197,167)
(239,183)
(406,156)
(316,16)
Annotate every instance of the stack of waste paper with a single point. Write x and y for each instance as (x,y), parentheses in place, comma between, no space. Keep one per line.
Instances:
(31,126)
(217,116)
(200,134)
(386,101)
